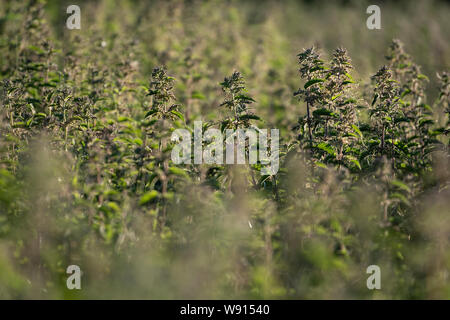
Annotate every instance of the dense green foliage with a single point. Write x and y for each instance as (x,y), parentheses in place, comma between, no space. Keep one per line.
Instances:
(86,175)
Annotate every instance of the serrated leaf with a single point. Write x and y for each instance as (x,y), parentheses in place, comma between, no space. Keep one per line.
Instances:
(400,185)
(374,99)
(312,81)
(336,96)
(326,147)
(245,98)
(357,130)
(178,114)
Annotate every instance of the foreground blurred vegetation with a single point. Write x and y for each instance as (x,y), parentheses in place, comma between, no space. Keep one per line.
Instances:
(85,171)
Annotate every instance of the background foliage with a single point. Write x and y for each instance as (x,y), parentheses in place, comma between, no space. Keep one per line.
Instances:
(86,177)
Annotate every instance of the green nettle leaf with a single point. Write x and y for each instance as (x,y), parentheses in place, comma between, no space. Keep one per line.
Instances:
(400,185)
(404,93)
(138,141)
(356,162)
(326,147)
(245,98)
(148,196)
(178,171)
(425,121)
(313,81)
(357,130)
(320,164)
(19,124)
(401,197)
(437,131)
(113,206)
(422,77)
(123,119)
(336,96)
(426,107)
(374,99)
(178,114)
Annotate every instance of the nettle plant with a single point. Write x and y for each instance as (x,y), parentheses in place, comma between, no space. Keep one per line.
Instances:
(416,140)
(164,116)
(37,98)
(330,124)
(385,108)
(341,124)
(394,146)
(237,102)
(312,70)
(238,116)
